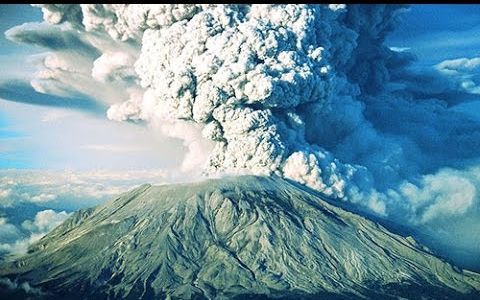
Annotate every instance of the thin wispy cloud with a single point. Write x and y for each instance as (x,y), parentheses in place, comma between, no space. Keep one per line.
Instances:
(23,92)
(55,116)
(113,148)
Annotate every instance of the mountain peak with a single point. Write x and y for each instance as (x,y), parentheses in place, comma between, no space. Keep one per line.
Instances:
(227,238)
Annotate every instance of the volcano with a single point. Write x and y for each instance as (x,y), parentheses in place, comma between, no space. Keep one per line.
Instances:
(231,238)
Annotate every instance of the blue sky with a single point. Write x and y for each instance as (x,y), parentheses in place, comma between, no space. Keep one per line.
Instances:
(427,27)
(12,15)
(50,137)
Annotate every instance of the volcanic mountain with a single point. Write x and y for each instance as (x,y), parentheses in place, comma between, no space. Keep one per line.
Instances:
(231,238)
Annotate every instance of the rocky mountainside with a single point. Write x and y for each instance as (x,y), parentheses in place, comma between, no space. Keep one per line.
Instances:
(231,238)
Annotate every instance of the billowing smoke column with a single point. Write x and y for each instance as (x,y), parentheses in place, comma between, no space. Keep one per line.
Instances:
(256,78)
(244,74)
(307,92)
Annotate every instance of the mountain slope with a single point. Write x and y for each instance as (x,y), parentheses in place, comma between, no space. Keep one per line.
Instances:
(230,238)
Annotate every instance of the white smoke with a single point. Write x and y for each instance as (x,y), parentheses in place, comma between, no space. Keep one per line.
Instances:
(306,92)
(242,73)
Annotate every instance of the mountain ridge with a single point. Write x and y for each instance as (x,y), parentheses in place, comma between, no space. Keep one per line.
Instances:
(232,237)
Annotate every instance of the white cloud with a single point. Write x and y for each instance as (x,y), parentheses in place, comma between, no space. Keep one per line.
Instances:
(45,221)
(5,193)
(66,70)
(459,64)
(43,197)
(444,195)
(464,70)
(113,148)
(8,232)
(377,204)
(55,116)
(59,191)
(16,240)
(399,49)
(70,188)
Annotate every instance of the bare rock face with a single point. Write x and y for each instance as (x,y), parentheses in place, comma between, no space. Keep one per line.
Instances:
(238,237)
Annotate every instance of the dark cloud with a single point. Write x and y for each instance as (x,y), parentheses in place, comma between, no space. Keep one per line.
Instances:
(22,92)
(51,37)
(59,13)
